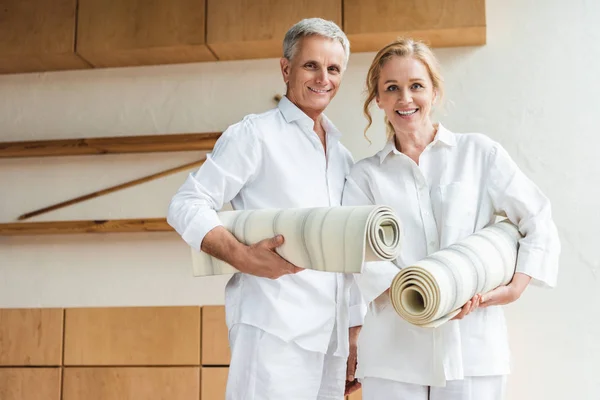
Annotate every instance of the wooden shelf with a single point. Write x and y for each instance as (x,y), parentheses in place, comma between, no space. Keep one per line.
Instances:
(92,226)
(110,145)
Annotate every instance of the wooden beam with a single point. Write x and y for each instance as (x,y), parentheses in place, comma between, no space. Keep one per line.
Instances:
(92,226)
(110,145)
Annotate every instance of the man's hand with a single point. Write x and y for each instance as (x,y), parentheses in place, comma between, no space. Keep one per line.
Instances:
(352,384)
(260,259)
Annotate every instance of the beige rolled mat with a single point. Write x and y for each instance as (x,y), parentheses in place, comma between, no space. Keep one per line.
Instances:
(332,239)
(433,290)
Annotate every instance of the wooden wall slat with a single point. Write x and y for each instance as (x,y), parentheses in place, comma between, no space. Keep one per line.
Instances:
(213,383)
(30,383)
(132,336)
(31,337)
(132,383)
(215,342)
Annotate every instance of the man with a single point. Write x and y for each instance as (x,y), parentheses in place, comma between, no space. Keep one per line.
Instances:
(291,330)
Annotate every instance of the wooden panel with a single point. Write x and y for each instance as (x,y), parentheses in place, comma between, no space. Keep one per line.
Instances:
(215,343)
(38,35)
(110,145)
(244,29)
(132,336)
(92,226)
(370,25)
(355,396)
(152,383)
(30,383)
(114,33)
(214,382)
(31,337)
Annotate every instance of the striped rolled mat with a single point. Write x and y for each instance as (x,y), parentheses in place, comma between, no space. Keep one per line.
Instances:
(332,239)
(433,290)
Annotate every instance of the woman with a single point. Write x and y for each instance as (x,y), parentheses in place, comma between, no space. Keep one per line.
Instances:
(443,186)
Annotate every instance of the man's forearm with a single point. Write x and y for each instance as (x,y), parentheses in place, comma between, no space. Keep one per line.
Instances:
(220,243)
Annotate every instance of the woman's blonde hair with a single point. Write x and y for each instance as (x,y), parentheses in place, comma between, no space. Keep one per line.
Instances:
(402,47)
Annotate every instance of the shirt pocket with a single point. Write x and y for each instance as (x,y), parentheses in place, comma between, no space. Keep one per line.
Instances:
(458,205)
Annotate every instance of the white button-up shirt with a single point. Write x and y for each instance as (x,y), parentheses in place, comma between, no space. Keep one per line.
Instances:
(461,183)
(275,160)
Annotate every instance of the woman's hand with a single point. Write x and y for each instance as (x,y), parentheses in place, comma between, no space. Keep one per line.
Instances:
(469,307)
(506,294)
(500,296)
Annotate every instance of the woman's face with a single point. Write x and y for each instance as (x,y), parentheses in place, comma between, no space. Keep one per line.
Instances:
(406,94)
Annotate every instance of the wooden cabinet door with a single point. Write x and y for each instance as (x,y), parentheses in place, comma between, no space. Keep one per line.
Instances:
(38,35)
(243,29)
(116,33)
(372,24)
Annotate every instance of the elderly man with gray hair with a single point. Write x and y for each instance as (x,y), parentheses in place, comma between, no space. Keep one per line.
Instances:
(292,331)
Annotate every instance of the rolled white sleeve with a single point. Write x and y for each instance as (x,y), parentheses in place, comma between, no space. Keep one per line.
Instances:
(232,163)
(358,307)
(517,197)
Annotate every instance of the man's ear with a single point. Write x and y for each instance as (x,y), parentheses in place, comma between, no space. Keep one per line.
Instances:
(285,69)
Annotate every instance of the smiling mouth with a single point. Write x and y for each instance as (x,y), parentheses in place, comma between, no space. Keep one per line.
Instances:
(319,91)
(406,113)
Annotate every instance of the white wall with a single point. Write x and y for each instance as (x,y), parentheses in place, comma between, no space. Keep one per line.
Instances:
(533,87)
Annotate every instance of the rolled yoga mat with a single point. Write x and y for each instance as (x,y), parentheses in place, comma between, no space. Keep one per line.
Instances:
(433,290)
(332,239)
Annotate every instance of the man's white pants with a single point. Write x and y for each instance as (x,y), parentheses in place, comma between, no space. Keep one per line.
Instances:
(264,367)
(470,388)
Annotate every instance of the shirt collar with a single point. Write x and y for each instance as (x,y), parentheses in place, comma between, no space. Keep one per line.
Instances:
(291,113)
(443,135)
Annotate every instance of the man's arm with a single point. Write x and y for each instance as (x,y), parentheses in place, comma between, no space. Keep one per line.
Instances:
(234,161)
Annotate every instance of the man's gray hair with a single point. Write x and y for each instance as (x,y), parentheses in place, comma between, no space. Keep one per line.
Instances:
(314,27)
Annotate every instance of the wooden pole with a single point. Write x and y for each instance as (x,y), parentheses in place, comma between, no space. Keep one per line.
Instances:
(112,189)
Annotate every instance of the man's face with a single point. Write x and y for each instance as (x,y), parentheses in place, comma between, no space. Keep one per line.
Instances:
(314,74)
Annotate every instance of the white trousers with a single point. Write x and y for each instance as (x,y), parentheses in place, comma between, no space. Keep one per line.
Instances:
(470,388)
(264,367)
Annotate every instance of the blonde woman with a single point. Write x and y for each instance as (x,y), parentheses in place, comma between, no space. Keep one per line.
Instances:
(444,186)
